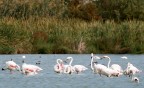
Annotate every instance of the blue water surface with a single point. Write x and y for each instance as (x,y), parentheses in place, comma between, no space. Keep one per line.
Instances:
(47,78)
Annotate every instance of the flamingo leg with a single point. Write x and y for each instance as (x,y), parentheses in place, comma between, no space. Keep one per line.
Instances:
(11,72)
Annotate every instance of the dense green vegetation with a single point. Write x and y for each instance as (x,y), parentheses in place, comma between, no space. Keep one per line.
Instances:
(71,26)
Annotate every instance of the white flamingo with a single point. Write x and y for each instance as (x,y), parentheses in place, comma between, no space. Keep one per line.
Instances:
(101,69)
(69,68)
(11,65)
(114,70)
(79,68)
(58,68)
(75,68)
(131,70)
(97,68)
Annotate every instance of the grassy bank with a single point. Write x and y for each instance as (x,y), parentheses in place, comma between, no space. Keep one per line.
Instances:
(52,35)
(71,26)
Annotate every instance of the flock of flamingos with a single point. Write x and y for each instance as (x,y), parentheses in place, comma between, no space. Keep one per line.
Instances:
(114,70)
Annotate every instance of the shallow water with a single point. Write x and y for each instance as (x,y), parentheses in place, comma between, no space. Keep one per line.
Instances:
(49,79)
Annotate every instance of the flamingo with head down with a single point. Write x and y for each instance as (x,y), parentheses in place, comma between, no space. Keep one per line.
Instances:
(11,65)
(30,69)
(79,68)
(131,70)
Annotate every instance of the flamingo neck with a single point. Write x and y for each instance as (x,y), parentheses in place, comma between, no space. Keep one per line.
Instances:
(58,61)
(71,61)
(92,63)
(58,64)
(68,70)
(109,62)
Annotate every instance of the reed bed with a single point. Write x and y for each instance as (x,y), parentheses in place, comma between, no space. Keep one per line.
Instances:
(71,26)
(52,35)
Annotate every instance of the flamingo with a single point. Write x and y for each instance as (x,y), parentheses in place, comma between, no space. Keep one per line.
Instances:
(79,68)
(131,70)
(100,69)
(30,69)
(11,65)
(69,68)
(27,70)
(97,68)
(58,68)
(114,70)
(75,68)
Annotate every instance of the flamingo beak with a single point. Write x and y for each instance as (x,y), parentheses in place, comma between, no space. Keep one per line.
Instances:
(95,62)
(3,69)
(101,58)
(65,61)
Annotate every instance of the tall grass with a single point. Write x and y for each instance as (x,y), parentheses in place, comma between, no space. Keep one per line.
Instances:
(71,26)
(52,35)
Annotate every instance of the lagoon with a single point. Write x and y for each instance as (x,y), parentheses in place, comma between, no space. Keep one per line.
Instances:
(49,79)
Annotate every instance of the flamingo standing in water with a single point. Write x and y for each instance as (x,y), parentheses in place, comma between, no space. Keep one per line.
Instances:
(58,68)
(114,70)
(75,68)
(101,69)
(30,69)
(97,68)
(11,65)
(79,68)
(131,70)
(68,69)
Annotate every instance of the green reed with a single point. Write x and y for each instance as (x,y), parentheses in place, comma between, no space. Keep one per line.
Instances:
(52,35)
